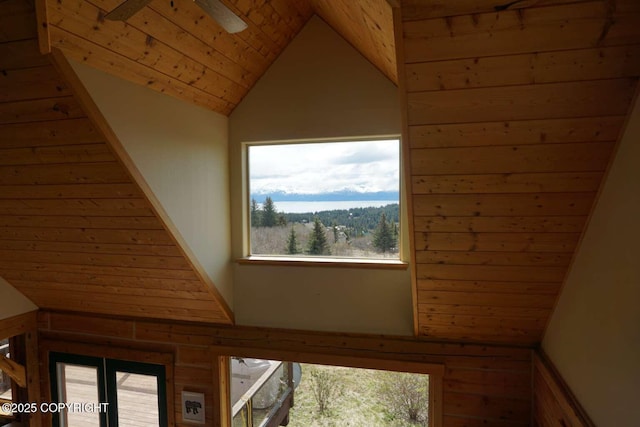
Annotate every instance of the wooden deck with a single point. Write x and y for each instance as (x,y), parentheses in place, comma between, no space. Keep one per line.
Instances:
(137,397)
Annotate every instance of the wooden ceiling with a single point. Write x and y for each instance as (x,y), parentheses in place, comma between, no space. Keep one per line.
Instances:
(77,232)
(512,118)
(175,48)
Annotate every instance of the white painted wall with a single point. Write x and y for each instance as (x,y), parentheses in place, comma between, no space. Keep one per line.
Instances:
(594,334)
(12,302)
(182,152)
(319,87)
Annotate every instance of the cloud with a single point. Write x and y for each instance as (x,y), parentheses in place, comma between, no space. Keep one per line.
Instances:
(313,168)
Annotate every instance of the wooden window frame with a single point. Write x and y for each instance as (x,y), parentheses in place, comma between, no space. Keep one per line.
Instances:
(434,370)
(313,261)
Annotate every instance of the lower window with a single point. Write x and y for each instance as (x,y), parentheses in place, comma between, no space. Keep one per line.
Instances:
(105,392)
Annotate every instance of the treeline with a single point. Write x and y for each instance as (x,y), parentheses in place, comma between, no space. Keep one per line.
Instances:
(357,228)
(362,219)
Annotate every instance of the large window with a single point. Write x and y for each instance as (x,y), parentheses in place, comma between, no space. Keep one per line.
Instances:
(328,199)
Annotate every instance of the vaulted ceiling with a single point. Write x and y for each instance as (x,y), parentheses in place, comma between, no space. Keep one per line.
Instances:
(77,230)
(512,117)
(175,48)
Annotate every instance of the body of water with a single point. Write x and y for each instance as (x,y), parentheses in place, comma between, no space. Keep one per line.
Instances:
(302,207)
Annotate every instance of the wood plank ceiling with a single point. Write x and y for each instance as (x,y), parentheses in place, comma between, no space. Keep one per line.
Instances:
(175,48)
(76,231)
(512,118)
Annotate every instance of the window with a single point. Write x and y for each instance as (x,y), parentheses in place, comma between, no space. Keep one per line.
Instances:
(263,393)
(325,199)
(120,393)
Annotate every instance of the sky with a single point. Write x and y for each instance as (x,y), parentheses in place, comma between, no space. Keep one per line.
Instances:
(316,168)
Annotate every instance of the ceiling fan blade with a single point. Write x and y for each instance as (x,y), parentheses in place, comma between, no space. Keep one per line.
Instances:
(126,10)
(222,14)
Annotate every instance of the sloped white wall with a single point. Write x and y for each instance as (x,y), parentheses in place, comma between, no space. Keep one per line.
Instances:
(594,334)
(319,87)
(182,152)
(12,302)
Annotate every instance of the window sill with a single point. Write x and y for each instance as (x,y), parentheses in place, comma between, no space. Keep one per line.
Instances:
(384,264)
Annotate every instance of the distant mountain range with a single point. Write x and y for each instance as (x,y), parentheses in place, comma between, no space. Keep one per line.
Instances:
(336,196)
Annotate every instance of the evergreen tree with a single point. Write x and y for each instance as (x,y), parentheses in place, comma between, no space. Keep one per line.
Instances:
(292,243)
(318,240)
(334,226)
(255,214)
(383,238)
(269,215)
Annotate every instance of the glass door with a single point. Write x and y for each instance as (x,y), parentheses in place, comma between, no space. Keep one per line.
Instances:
(112,393)
(137,394)
(78,379)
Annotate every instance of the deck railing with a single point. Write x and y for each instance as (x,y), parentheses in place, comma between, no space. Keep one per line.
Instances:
(266,403)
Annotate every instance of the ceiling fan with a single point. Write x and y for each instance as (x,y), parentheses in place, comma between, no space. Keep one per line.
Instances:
(215,8)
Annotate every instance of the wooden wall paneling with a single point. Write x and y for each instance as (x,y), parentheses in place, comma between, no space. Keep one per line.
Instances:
(513,116)
(541,224)
(574,157)
(116,249)
(564,100)
(71,191)
(553,402)
(543,131)
(17,54)
(16,21)
(534,29)
(497,242)
(107,284)
(535,182)
(59,132)
(31,83)
(479,383)
(88,153)
(515,204)
(39,110)
(417,10)
(523,69)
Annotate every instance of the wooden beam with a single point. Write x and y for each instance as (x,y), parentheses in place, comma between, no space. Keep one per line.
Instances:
(17,325)
(42,20)
(15,370)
